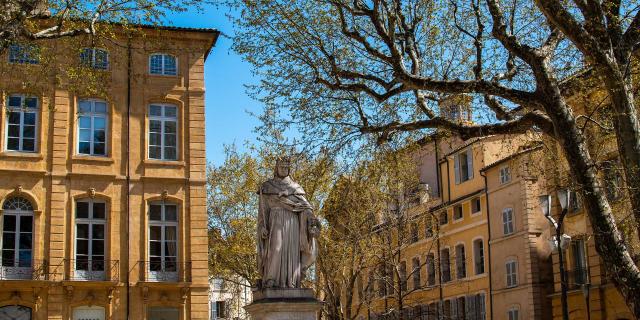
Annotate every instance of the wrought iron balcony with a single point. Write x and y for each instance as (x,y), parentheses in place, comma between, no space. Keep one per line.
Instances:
(165,271)
(92,270)
(24,269)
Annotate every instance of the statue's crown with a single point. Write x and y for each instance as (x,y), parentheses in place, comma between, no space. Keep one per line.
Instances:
(284,160)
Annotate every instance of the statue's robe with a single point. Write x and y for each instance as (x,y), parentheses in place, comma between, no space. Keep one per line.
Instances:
(289,249)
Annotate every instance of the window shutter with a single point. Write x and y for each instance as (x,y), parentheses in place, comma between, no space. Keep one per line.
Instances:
(456,168)
(470,162)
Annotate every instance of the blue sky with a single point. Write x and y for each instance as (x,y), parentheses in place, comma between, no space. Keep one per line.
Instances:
(227,120)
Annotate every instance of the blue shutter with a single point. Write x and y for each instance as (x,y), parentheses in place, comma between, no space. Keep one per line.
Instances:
(456,168)
(470,162)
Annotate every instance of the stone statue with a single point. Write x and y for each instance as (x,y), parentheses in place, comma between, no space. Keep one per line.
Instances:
(287,231)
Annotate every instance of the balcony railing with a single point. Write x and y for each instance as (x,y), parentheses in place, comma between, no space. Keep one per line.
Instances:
(165,271)
(24,269)
(92,270)
(578,277)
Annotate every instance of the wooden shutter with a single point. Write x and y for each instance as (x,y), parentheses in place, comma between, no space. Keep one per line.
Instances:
(470,162)
(456,168)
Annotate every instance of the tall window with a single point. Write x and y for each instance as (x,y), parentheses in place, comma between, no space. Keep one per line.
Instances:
(382,281)
(512,273)
(457,212)
(24,54)
(507,221)
(478,254)
(163,64)
(431,270)
(163,132)
(445,265)
(95,58)
(505,174)
(461,309)
(163,241)
(475,307)
(428,227)
(513,314)
(92,127)
(218,310)
(90,239)
(461,265)
(574,202)
(414,232)
(579,262)
(17,237)
(444,217)
(22,120)
(463,165)
(416,272)
(403,276)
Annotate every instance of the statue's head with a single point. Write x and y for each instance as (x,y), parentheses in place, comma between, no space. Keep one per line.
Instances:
(283,167)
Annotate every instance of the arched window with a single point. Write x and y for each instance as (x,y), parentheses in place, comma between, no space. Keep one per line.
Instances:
(95,58)
(17,238)
(15,313)
(92,127)
(163,64)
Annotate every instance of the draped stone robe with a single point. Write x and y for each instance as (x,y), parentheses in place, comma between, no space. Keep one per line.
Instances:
(288,249)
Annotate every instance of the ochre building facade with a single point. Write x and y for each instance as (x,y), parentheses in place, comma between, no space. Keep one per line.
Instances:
(102,177)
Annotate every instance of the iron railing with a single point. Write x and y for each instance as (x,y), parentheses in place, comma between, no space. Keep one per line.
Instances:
(165,271)
(24,269)
(92,270)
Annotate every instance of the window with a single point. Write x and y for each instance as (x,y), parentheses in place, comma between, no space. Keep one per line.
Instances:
(512,314)
(92,127)
(163,241)
(512,273)
(163,313)
(444,217)
(445,265)
(17,238)
(461,266)
(88,313)
(416,273)
(414,232)
(402,273)
(447,310)
(163,132)
(163,64)
(478,256)
(90,240)
(15,312)
(463,166)
(475,205)
(612,177)
(505,174)
(431,270)
(22,121)
(457,212)
(461,308)
(475,307)
(218,310)
(507,221)
(579,261)
(24,54)
(95,58)
(428,229)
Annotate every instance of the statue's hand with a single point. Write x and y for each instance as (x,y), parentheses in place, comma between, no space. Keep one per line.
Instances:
(264,233)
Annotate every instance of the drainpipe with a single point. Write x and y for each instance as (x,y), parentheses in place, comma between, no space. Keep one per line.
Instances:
(128,177)
(439,268)
(486,197)
(438,172)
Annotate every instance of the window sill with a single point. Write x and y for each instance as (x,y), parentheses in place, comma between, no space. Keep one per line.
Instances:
(19,154)
(474,214)
(164,76)
(89,158)
(172,163)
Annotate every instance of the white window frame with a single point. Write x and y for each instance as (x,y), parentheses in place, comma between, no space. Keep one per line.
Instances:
(22,110)
(163,275)
(93,115)
(513,313)
(461,261)
(24,54)
(456,219)
(473,213)
(92,63)
(16,271)
(508,224)
(91,221)
(511,273)
(163,119)
(163,71)
(505,174)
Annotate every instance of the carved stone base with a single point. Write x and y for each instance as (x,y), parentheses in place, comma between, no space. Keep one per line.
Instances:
(284,304)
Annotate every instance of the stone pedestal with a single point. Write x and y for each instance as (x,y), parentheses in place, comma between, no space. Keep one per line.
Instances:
(284,304)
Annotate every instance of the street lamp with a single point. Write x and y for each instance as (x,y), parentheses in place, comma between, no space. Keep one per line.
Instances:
(561,240)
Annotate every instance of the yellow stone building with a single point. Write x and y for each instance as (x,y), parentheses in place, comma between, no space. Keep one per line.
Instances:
(102,177)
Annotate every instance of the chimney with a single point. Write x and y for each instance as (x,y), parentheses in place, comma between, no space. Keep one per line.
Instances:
(457,108)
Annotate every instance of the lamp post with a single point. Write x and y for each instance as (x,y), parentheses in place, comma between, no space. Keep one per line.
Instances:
(560,242)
